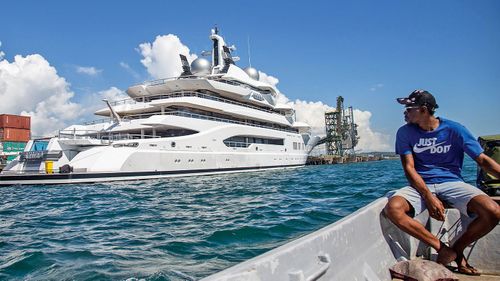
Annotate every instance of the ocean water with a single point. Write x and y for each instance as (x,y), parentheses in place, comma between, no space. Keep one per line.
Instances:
(179,228)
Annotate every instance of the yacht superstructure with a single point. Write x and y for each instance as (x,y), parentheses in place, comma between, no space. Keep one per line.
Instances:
(213,118)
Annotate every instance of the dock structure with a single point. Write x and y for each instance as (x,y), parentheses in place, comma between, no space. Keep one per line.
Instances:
(341,131)
(336,159)
(341,138)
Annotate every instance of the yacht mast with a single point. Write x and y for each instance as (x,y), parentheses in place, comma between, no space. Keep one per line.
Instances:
(218,50)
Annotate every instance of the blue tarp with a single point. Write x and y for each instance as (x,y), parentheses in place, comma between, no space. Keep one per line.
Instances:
(39,145)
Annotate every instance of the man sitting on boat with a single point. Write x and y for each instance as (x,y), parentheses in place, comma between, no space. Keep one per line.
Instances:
(432,152)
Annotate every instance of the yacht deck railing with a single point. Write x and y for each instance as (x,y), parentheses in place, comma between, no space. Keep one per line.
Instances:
(78,134)
(105,137)
(98,121)
(190,94)
(206,117)
(218,78)
(209,97)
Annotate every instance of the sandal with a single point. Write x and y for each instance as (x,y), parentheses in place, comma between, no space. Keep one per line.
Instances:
(466,269)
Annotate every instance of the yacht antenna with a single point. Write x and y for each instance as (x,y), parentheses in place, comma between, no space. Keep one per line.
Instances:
(249,56)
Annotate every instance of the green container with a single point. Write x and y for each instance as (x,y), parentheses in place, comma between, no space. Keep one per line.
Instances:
(12,146)
(11,157)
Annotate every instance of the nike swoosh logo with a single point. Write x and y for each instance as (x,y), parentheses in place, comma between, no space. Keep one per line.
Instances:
(422,149)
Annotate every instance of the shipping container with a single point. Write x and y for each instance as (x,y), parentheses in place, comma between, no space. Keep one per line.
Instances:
(12,134)
(12,146)
(15,121)
(11,157)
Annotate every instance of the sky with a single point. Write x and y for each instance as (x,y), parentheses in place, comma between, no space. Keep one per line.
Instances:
(59,59)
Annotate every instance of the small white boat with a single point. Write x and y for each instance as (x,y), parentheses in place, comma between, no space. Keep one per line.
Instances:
(361,246)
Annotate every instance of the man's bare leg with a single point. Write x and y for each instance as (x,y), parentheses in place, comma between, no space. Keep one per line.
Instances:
(396,210)
(488,216)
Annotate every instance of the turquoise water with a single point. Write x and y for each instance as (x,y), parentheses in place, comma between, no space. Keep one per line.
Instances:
(179,228)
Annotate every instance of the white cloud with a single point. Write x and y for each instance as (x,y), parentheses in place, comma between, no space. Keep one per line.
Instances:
(113,94)
(94,101)
(369,140)
(312,113)
(263,77)
(130,70)
(89,70)
(376,87)
(161,58)
(31,86)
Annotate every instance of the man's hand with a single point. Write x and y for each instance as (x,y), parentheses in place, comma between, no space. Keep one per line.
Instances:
(489,165)
(435,207)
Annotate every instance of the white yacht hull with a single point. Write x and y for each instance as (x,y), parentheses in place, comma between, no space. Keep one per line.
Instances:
(69,178)
(137,159)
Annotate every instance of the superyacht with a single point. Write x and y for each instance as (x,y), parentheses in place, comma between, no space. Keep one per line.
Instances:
(215,117)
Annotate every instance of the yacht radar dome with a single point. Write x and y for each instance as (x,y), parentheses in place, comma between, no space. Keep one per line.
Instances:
(200,65)
(252,72)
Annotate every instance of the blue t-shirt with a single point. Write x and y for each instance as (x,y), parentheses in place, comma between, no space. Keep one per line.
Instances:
(438,154)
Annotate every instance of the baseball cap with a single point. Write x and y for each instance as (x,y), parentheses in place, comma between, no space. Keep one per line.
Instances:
(419,98)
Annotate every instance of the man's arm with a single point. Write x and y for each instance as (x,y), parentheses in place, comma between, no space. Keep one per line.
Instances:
(434,205)
(489,165)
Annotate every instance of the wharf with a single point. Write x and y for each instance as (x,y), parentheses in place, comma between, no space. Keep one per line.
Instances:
(336,159)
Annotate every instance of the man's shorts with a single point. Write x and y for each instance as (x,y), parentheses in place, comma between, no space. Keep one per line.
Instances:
(457,194)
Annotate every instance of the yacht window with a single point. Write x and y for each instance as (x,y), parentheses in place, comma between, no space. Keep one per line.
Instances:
(172,144)
(246,141)
(174,132)
(130,144)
